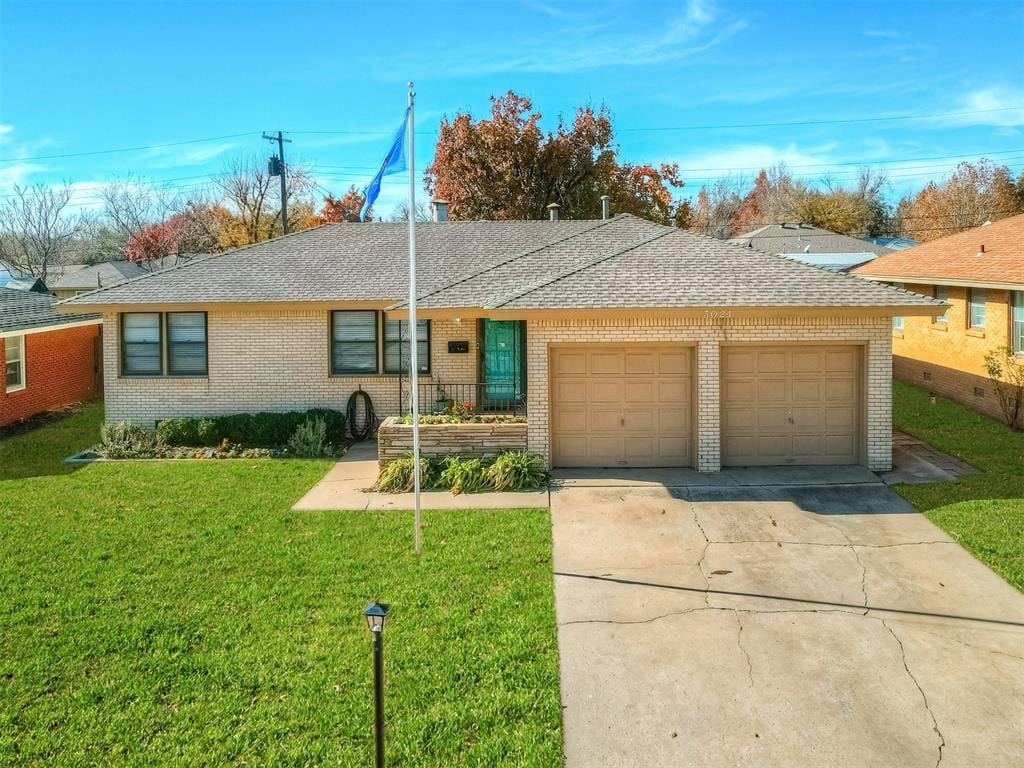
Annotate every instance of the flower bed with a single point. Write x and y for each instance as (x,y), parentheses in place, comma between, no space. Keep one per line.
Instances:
(481,439)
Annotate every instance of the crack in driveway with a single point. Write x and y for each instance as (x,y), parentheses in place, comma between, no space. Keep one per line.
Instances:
(924,696)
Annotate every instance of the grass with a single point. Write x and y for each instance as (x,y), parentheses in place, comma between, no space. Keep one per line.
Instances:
(983,512)
(178,613)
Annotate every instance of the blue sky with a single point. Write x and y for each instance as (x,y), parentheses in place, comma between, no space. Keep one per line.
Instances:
(84,76)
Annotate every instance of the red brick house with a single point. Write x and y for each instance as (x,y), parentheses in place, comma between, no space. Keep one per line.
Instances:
(48,359)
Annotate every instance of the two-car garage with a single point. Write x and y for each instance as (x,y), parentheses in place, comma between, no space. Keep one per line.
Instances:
(636,405)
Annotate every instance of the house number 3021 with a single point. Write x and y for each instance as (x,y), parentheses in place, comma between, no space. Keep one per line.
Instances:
(717,314)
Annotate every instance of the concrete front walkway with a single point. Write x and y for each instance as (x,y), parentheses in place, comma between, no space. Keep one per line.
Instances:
(347,486)
(777,624)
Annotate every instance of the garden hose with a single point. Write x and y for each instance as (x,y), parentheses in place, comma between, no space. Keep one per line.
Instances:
(364,427)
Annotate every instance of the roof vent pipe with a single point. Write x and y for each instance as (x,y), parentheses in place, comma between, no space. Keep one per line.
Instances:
(605,206)
(553,211)
(440,210)
(981,250)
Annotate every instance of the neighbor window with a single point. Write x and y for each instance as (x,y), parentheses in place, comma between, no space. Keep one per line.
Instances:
(354,342)
(941,293)
(186,343)
(14,356)
(976,307)
(897,322)
(396,346)
(1017,323)
(155,342)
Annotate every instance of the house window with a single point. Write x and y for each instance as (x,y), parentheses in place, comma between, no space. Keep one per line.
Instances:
(975,307)
(141,338)
(154,342)
(186,344)
(396,346)
(14,356)
(897,322)
(354,342)
(941,293)
(1017,323)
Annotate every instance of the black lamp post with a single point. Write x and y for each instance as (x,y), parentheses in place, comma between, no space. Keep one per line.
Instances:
(376,615)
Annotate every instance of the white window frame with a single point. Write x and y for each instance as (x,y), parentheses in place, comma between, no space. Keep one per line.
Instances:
(941,292)
(897,320)
(21,365)
(972,303)
(1017,326)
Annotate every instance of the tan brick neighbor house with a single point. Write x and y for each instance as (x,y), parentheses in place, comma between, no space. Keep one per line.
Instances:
(630,343)
(980,272)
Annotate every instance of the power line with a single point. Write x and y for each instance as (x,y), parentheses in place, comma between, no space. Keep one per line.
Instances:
(128,149)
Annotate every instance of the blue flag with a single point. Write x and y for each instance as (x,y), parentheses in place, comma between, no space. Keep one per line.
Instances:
(393,163)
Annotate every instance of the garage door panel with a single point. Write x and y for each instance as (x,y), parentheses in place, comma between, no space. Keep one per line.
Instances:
(673,363)
(569,363)
(740,391)
(631,408)
(673,420)
(570,420)
(844,361)
(771,390)
(807,362)
(604,420)
(771,362)
(606,392)
(805,390)
(571,391)
(790,405)
(605,363)
(840,389)
(637,363)
(635,391)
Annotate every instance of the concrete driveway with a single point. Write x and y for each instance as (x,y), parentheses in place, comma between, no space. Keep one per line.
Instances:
(777,619)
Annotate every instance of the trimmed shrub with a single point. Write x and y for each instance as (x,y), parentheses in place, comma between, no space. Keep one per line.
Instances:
(125,440)
(516,471)
(254,430)
(463,475)
(310,440)
(187,432)
(396,476)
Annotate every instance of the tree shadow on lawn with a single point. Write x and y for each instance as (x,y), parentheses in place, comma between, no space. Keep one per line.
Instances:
(41,451)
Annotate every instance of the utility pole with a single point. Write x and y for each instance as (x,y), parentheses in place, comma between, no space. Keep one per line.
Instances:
(278,169)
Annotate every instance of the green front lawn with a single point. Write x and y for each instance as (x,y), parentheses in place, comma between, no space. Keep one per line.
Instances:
(177,613)
(983,512)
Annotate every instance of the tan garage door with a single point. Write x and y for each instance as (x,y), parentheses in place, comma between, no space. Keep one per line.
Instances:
(621,406)
(790,405)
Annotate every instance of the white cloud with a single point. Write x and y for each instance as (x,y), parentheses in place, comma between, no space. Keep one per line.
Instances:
(745,160)
(1009,102)
(884,32)
(5,133)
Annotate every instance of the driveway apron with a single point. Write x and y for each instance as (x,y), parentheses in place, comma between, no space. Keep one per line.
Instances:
(731,625)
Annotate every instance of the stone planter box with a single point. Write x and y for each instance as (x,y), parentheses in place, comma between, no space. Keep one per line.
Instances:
(470,441)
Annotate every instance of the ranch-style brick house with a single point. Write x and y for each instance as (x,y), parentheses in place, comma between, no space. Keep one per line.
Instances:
(980,273)
(627,343)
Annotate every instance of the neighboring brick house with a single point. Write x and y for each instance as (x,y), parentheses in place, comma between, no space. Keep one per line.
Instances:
(980,272)
(49,359)
(630,343)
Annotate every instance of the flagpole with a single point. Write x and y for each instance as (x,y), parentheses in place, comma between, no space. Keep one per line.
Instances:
(413,330)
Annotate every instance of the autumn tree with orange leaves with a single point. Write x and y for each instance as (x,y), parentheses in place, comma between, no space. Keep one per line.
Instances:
(507,167)
(344,208)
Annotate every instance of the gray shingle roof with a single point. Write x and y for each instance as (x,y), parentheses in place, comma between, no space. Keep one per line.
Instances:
(86,277)
(804,238)
(625,261)
(24,310)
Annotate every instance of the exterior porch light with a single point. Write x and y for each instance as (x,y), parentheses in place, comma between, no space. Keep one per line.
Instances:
(376,617)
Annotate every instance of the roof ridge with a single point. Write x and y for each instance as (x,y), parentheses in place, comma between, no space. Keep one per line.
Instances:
(543,282)
(201,260)
(598,223)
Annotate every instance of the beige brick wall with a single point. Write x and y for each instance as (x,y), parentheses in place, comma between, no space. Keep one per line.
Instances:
(269,361)
(708,336)
(470,441)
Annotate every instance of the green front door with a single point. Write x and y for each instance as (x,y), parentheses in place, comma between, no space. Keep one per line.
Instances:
(503,363)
